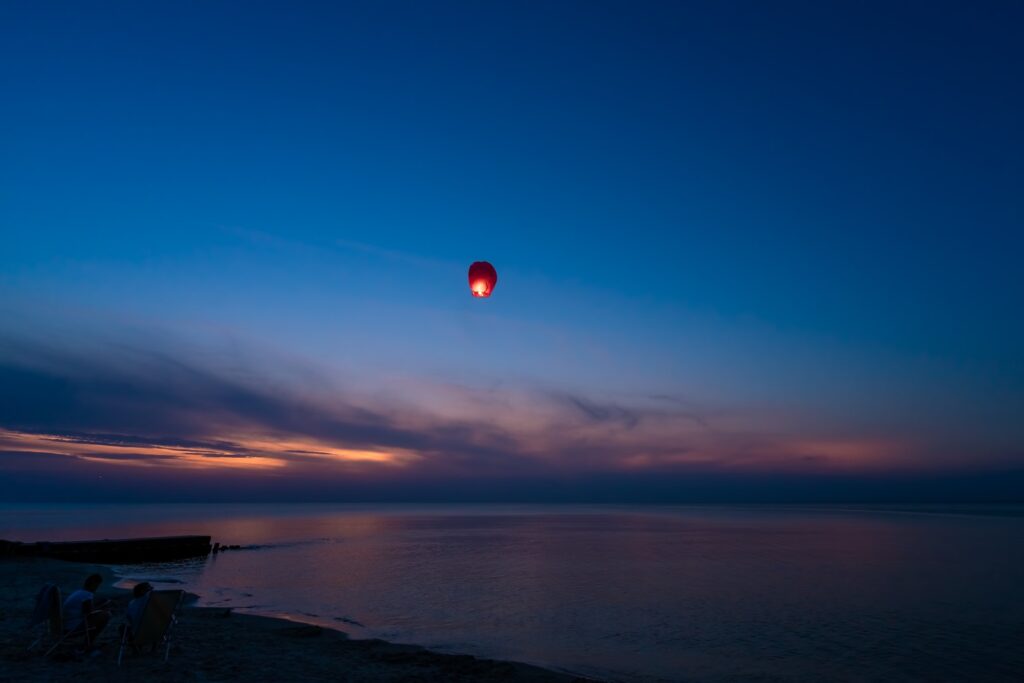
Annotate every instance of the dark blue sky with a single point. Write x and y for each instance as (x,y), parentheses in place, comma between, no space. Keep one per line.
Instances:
(732,237)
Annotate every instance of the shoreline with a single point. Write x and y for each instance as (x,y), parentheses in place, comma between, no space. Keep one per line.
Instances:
(217,644)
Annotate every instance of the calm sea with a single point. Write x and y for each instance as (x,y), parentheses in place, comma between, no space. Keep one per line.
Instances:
(694,593)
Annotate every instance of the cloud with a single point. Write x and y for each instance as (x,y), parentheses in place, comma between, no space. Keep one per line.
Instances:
(134,398)
(135,409)
(601,412)
(149,398)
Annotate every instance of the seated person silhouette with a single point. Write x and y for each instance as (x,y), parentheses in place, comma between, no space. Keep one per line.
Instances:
(83,613)
(140,594)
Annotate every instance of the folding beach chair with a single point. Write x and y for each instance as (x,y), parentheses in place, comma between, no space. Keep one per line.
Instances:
(154,626)
(47,611)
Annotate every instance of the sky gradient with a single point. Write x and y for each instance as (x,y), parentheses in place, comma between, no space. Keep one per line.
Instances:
(745,252)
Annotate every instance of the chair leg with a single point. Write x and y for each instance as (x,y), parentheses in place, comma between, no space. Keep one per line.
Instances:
(167,637)
(124,641)
(55,645)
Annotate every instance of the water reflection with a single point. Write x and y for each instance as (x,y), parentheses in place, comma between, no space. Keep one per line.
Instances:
(679,593)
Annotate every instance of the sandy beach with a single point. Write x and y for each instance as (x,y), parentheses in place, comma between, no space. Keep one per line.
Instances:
(215,644)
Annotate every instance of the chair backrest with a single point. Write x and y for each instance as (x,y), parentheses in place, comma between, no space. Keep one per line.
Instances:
(156,616)
(42,609)
(56,613)
(48,609)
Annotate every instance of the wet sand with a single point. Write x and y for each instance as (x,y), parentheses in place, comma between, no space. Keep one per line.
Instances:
(215,644)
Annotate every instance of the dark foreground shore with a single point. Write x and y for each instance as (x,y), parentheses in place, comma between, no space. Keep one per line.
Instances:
(213,644)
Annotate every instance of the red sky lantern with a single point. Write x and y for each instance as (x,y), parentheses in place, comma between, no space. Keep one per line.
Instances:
(482,278)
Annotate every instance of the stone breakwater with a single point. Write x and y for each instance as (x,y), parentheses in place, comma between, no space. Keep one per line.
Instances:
(117,551)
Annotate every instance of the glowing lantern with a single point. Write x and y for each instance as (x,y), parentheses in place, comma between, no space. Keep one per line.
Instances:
(482,278)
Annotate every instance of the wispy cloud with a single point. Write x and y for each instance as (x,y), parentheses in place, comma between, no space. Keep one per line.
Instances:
(135,406)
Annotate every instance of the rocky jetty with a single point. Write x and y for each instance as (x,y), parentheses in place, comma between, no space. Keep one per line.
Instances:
(118,551)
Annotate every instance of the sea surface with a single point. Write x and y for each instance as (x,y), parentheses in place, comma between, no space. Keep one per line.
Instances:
(681,593)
